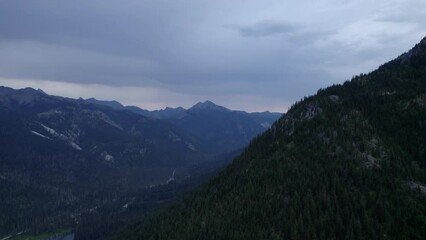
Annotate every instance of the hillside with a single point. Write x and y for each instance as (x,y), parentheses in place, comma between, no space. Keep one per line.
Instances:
(346,163)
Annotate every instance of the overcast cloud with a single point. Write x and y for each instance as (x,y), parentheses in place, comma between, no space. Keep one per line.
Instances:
(243,54)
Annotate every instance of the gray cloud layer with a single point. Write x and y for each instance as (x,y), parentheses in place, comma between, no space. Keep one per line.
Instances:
(265,28)
(272,51)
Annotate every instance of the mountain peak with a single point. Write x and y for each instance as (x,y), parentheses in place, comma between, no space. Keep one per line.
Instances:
(417,51)
(208,105)
(41,91)
(113,104)
(23,92)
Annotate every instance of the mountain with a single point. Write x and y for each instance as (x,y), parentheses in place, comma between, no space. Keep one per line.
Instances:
(215,128)
(155,114)
(158,114)
(111,104)
(74,163)
(208,105)
(61,157)
(94,129)
(346,163)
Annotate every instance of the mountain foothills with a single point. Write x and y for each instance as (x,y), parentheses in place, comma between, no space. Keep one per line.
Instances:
(91,165)
(346,163)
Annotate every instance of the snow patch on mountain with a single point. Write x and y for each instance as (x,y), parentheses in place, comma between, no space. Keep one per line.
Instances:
(109,158)
(50,130)
(40,135)
(75,146)
(49,114)
(62,137)
(190,146)
(172,178)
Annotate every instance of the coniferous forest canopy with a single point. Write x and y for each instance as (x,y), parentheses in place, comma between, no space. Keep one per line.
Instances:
(346,163)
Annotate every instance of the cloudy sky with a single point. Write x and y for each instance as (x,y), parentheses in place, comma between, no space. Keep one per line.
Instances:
(242,54)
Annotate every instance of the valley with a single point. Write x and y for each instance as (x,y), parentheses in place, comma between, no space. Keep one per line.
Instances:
(74,163)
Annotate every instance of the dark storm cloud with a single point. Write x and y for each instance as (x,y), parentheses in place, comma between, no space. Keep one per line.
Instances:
(271,51)
(107,42)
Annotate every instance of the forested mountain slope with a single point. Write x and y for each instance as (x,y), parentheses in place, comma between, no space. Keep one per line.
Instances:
(347,163)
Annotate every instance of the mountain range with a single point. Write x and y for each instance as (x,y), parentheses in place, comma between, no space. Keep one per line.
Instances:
(215,128)
(62,158)
(346,163)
